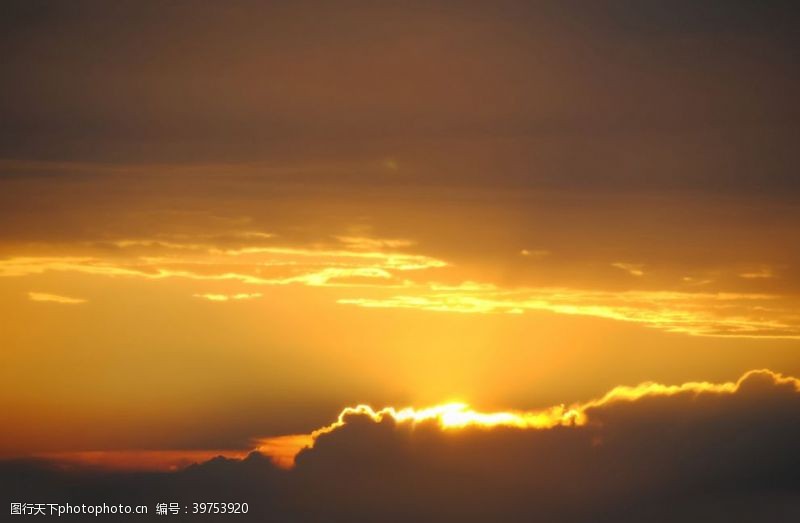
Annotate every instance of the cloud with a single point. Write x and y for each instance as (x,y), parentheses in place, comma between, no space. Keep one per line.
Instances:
(137,460)
(758,274)
(696,452)
(365,243)
(535,254)
(634,269)
(228,297)
(159,259)
(459,415)
(375,265)
(691,453)
(54,298)
(733,315)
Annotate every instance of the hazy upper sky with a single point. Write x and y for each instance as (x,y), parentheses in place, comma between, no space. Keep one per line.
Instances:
(223,221)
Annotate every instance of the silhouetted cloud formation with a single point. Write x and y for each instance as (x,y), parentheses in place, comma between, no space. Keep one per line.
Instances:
(686,457)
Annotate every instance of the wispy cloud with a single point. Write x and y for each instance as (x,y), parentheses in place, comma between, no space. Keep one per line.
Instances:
(229,297)
(138,460)
(54,298)
(634,269)
(763,272)
(534,253)
(367,243)
(351,258)
(699,314)
(378,266)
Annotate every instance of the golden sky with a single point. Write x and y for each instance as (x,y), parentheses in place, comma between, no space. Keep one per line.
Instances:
(229,222)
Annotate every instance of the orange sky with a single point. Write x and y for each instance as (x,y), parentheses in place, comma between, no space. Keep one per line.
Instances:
(207,241)
(209,333)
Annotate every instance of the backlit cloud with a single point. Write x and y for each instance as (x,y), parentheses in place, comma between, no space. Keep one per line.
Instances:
(453,416)
(450,417)
(699,451)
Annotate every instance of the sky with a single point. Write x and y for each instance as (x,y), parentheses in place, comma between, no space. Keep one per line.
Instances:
(221,224)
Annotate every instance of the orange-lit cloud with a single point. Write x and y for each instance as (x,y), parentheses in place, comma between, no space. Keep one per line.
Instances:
(634,269)
(367,243)
(253,258)
(229,297)
(534,253)
(758,274)
(54,298)
(699,314)
(282,450)
(254,264)
(451,416)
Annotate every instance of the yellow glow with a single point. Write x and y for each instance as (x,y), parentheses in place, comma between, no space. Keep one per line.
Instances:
(451,416)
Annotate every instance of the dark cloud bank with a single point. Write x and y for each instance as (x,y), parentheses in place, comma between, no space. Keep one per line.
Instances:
(691,457)
(604,95)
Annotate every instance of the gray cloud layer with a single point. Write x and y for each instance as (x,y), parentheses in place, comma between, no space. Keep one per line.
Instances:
(614,94)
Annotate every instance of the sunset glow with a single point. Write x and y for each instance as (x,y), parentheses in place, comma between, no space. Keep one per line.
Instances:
(419,261)
(453,416)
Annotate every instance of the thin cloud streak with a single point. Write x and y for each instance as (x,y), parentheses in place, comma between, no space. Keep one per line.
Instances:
(229,297)
(360,262)
(137,460)
(634,269)
(54,298)
(699,314)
